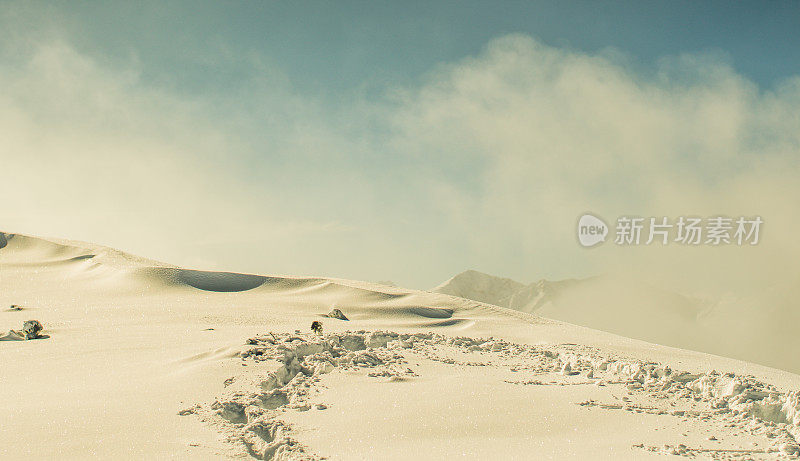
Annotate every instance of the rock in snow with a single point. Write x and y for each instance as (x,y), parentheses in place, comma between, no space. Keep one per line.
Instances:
(337,314)
(31,329)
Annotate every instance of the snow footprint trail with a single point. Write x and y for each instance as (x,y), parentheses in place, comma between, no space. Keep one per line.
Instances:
(251,411)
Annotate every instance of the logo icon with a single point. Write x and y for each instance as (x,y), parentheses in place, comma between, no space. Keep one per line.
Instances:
(591,230)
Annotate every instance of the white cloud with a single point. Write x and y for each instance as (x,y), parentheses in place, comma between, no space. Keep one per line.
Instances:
(558,132)
(92,152)
(487,163)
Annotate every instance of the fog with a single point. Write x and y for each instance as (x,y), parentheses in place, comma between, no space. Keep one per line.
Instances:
(483,163)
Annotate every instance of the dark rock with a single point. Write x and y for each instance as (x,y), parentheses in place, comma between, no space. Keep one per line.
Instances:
(31,329)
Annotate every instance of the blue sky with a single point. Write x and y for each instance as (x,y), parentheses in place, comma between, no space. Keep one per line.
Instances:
(339,46)
(395,140)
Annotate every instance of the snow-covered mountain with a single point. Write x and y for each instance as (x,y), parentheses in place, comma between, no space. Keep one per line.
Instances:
(756,329)
(481,287)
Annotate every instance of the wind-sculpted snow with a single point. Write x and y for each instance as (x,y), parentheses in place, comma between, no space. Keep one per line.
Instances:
(399,385)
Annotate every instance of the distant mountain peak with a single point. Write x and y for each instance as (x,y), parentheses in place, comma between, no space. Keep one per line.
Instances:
(478,286)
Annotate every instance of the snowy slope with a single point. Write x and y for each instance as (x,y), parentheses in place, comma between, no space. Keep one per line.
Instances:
(145,360)
(762,330)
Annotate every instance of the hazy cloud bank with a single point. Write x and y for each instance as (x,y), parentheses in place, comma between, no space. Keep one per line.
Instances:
(485,163)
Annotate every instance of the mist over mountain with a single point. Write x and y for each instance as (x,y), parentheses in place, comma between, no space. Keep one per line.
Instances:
(754,328)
